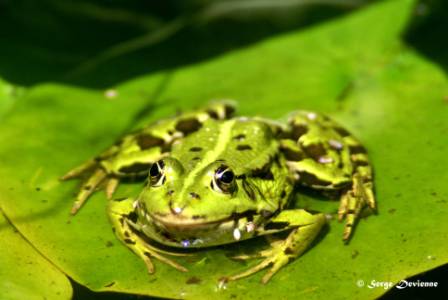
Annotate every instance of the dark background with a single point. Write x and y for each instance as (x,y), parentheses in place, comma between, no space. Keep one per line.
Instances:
(98,44)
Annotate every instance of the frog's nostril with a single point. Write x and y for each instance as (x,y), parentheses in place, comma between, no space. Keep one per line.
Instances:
(194,195)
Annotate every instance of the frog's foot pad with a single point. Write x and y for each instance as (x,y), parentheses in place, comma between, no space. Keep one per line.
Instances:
(352,203)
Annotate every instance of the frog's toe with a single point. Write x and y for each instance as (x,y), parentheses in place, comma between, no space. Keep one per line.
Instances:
(349,209)
(111,187)
(246,256)
(276,258)
(165,260)
(78,171)
(88,188)
(149,264)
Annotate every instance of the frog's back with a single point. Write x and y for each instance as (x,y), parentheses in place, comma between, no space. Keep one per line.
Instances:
(241,143)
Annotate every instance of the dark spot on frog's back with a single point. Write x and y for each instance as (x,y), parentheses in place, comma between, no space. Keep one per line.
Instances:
(292,154)
(342,131)
(187,126)
(195,149)
(298,130)
(243,147)
(357,149)
(311,179)
(263,174)
(239,137)
(360,163)
(213,114)
(146,141)
(315,151)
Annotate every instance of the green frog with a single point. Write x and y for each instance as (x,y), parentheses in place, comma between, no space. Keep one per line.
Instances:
(214,179)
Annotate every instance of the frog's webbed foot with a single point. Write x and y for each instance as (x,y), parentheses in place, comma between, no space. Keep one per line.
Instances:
(305,227)
(125,229)
(274,257)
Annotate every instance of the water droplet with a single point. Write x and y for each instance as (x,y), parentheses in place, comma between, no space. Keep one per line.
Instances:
(177,210)
(236,234)
(311,116)
(110,93)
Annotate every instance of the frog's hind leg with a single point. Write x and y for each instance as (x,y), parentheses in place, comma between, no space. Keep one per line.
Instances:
(121,214)
(132,156)
(324,156)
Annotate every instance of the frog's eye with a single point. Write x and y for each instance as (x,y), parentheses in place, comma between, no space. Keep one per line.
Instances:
(157,174)
(224,180)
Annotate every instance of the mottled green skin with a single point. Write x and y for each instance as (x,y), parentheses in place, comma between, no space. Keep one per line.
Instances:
(190,168)
(189,203)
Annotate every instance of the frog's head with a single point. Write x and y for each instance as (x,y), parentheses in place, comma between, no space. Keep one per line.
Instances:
(209,193)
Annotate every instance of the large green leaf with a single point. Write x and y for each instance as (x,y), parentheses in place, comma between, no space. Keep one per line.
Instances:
(354,68)
(24,273)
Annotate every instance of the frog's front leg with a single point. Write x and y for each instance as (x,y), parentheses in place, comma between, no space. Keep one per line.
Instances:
(122,216)
(324,156)
(305,227)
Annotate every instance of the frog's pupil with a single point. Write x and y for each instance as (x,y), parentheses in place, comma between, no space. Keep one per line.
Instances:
(155,170)
(227,176)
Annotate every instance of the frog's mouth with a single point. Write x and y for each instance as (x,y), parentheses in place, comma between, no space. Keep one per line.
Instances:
(175,223)
(184,232)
